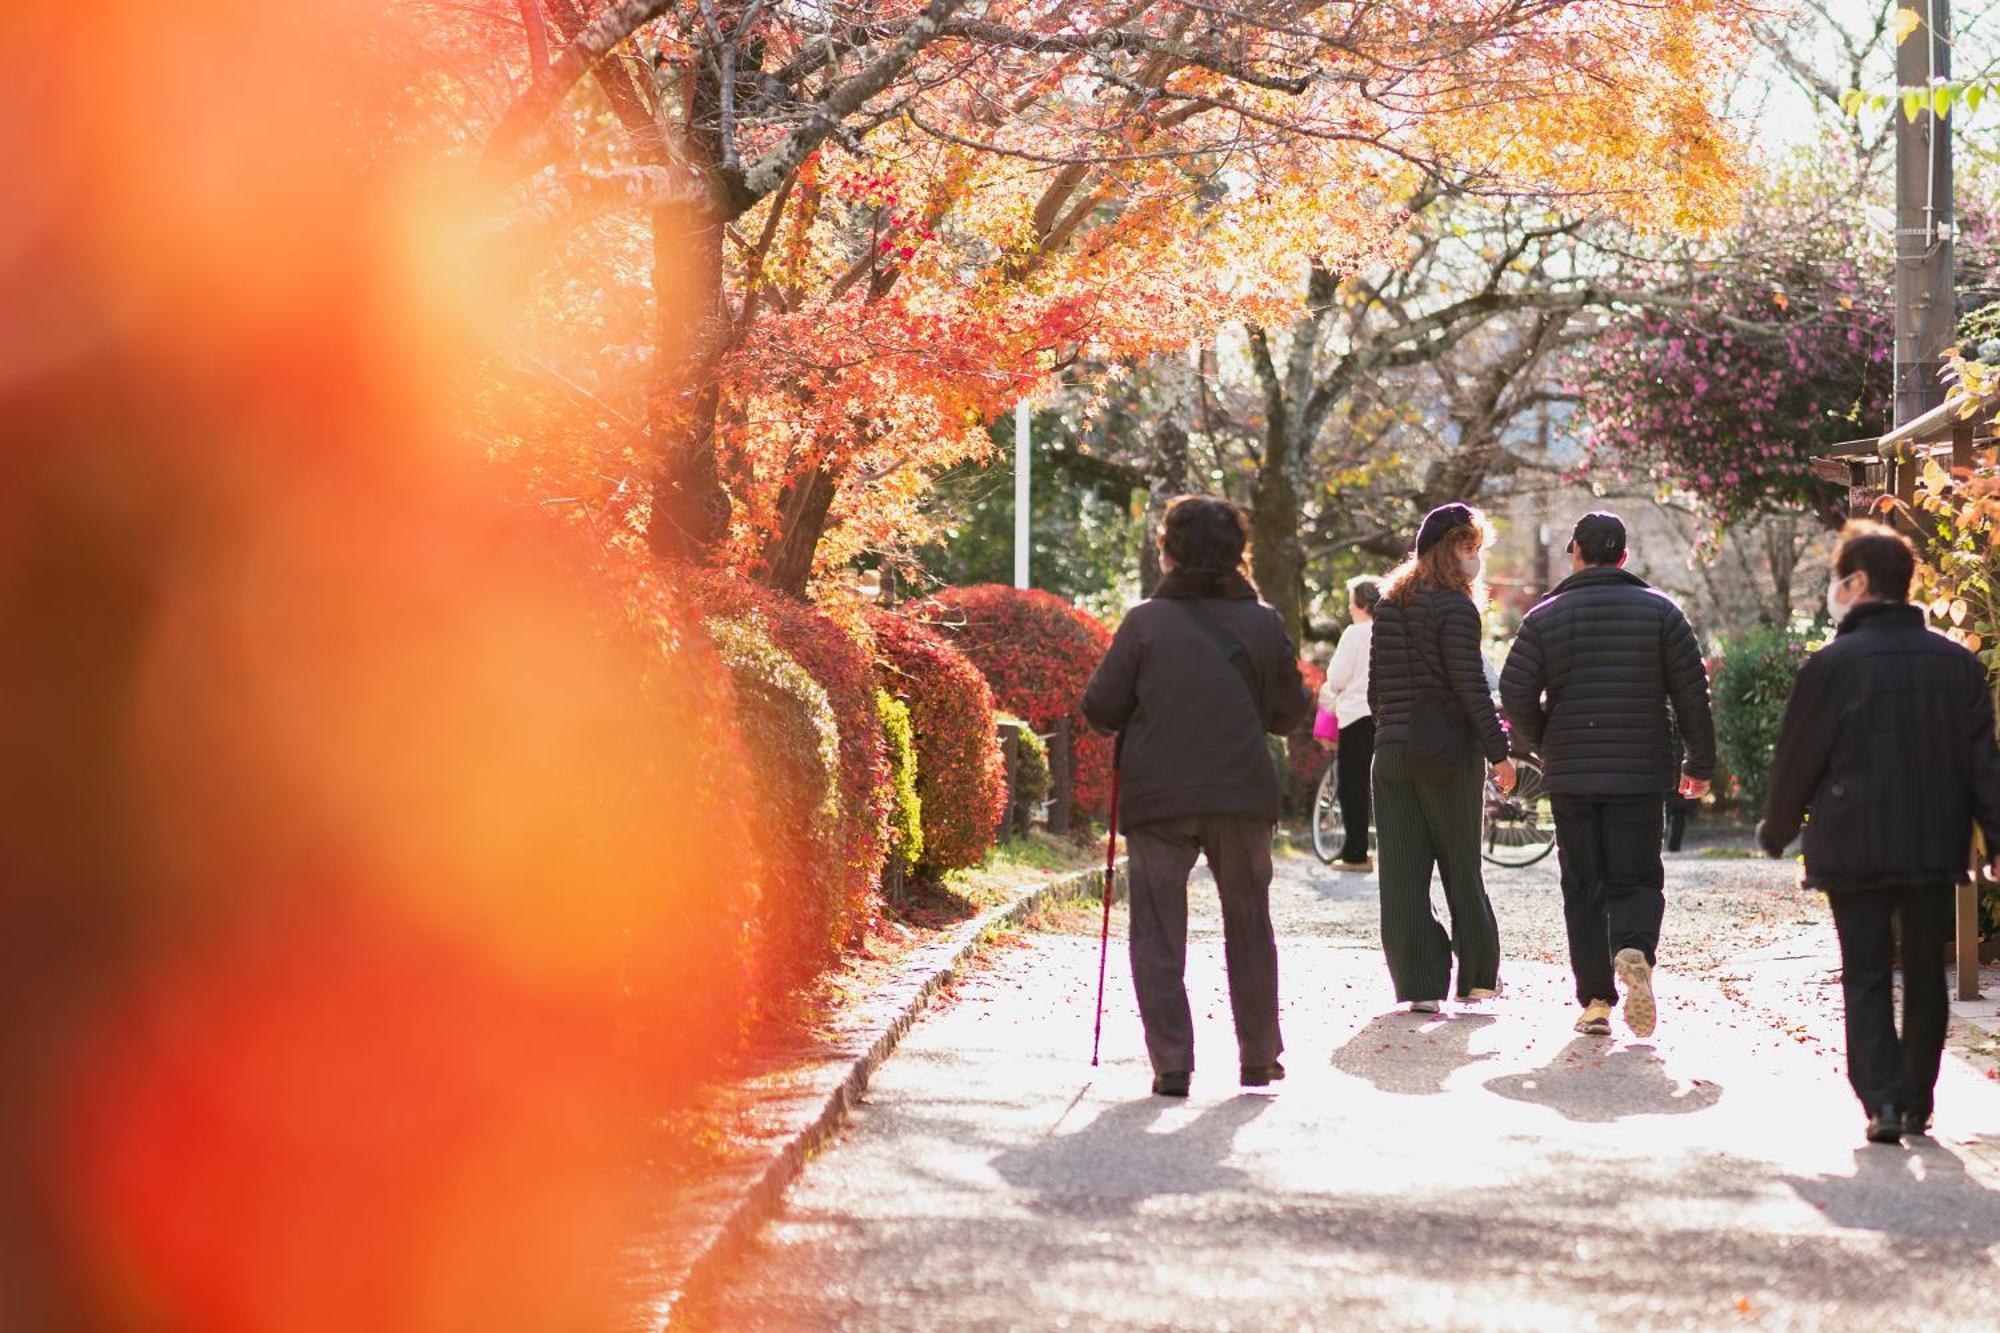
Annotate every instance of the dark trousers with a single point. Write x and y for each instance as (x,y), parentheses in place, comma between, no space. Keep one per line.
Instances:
(1421,823)
(1614,884)
(1882,1069)
(1355,758)
(1238,848)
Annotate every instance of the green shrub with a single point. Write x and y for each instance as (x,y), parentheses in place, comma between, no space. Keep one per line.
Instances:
(906,811)
(1032,779)
(1751,688)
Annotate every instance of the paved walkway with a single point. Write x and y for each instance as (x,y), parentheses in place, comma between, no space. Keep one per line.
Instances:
(1479,1169)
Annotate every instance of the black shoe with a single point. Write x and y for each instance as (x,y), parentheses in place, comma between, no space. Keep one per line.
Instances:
(1173,1083)
(1887,1125)
(1258,1076)
(1916,1125)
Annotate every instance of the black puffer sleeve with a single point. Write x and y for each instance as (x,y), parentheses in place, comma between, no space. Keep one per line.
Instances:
(1465,669)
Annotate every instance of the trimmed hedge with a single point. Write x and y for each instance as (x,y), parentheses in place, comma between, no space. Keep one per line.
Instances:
(961,774)
(788,723)
(1032,778)
(659,828)
(1037,651)
(827,902)
(906,814)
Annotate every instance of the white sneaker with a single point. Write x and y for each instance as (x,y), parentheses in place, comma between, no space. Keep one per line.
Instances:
(1423,1006)
(1642,1015)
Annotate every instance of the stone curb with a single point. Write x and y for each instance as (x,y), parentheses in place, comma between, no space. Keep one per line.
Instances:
(883,1026)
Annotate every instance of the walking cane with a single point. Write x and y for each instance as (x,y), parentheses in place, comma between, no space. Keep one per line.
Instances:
(1110,873)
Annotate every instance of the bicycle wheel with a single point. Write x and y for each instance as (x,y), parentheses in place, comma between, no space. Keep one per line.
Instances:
(1519,827)
(1328,832)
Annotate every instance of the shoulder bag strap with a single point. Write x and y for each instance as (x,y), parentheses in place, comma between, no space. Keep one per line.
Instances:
(1229,646)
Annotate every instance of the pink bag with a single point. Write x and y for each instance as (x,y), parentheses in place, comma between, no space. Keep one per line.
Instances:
(1326,727)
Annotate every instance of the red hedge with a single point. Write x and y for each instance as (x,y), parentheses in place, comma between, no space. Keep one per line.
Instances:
(961,773)
(1307,760)
(1037,651)
(698,799)
(827,904)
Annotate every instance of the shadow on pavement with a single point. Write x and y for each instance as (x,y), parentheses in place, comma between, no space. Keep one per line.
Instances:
(1118,1160)
(1919,1192)
(1585,1083)
(1412,1054)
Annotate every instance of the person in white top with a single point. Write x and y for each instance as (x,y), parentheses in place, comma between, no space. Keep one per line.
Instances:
(1345,695)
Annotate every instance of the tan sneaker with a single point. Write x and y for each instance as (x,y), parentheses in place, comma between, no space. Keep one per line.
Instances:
(1636,975)
(1596,1020)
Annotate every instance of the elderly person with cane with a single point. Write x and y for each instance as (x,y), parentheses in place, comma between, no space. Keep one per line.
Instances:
(1194,679)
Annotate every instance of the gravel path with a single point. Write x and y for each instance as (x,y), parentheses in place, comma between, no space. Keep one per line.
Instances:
(1483,1168)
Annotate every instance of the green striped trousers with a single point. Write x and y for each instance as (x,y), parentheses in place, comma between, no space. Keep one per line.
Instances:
(1421,823)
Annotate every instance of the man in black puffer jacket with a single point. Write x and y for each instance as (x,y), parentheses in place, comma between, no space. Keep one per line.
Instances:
(1888,738)
(1588,686)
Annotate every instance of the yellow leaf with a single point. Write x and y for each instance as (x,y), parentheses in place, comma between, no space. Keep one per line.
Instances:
(1941,607)
(1906,22)
(1959,610)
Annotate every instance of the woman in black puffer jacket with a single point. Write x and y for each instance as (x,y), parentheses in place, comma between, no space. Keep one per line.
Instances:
(1427,683)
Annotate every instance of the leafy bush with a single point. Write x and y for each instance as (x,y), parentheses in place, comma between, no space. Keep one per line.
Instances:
(842,664)
(961,775)
(685,902)
(1037,651)
(1032,779)
(1306,760)
(788,723)
(906,826)
(1751,688)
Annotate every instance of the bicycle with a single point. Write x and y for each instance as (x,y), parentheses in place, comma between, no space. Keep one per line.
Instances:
(1329,830)
(1517,829)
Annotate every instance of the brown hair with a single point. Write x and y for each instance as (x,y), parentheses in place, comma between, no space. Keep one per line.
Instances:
(1207,537)
(1439,568)
(1882,553)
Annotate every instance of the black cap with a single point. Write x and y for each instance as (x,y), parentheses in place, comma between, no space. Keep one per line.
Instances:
(1599,538)
(1441,523)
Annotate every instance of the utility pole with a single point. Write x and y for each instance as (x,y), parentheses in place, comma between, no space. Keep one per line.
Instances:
(1021,493)
(1925,311)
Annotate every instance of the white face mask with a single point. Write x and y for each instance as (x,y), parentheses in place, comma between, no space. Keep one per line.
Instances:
(1834,606)
(1470,564)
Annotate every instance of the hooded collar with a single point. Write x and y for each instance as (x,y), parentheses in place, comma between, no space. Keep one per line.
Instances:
(1592,575)
(1881,615)
(1192,585)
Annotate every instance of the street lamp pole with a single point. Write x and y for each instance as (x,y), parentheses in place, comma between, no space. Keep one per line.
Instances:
(1021,493)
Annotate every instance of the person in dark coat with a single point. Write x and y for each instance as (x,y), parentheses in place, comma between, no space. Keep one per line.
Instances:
(1888,741)
(1425,654)
(1605,681)
(1194,679)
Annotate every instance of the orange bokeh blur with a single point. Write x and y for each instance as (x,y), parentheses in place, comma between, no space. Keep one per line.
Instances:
(342,805)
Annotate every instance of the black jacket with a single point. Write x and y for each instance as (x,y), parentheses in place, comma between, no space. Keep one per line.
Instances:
(1437,631)
(1888,739)
(1588,684)
(1193,739)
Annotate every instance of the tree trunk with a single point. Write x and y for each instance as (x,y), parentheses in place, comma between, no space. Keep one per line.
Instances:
(690,515)
(1277,556)
(1166,477)
(802,522)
